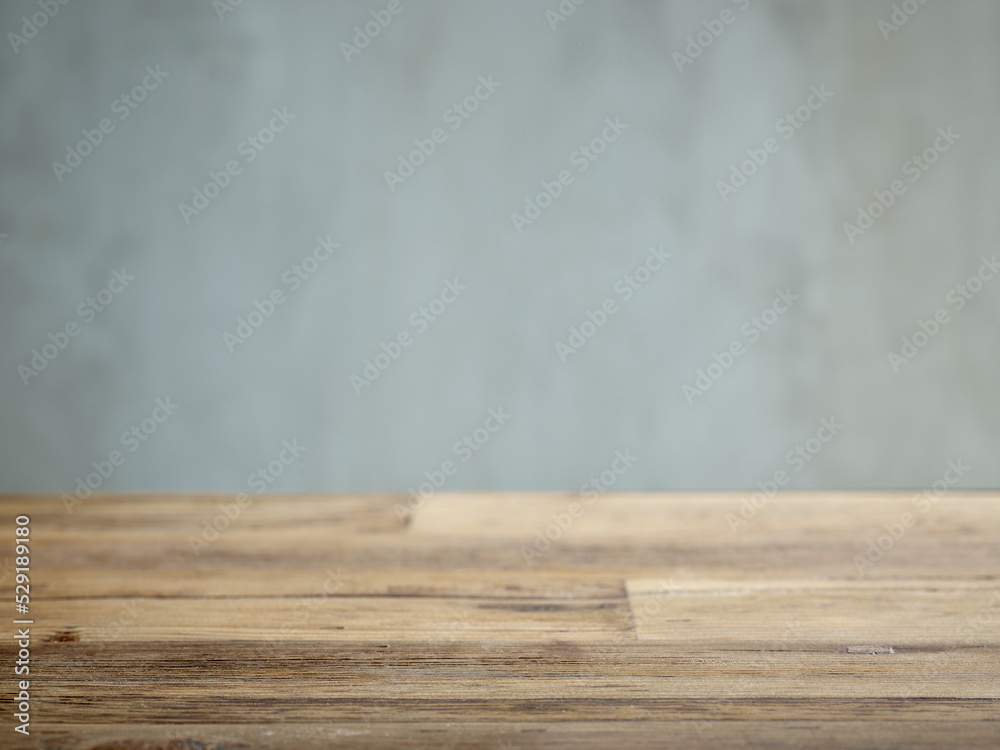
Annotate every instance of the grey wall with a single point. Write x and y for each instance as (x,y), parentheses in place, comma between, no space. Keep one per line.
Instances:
(162,336)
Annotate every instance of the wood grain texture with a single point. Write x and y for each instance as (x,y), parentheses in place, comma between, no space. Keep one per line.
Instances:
(638,620)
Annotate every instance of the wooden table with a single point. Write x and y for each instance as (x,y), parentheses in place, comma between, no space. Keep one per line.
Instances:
(509,621)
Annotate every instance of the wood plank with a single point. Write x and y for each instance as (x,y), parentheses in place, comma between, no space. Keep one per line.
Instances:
(700,518)
(849,733)
(846,613)
(824,532)
(315,621)
(450,671)
(390,618)
(73,583)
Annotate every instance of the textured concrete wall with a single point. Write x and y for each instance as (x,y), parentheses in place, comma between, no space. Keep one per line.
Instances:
(66,231)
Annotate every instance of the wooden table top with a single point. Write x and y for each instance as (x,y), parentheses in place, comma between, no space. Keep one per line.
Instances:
(813,620)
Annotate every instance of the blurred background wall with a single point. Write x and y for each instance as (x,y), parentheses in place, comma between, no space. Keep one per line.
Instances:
(503,95)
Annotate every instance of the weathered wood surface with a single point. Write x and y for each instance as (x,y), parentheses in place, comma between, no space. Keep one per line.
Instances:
(315,622)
